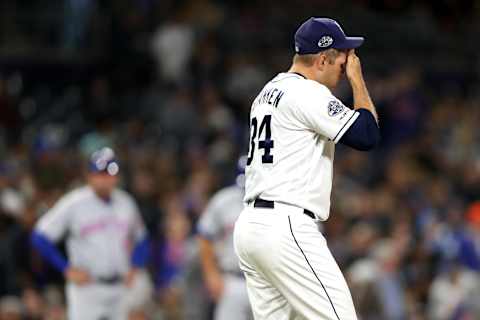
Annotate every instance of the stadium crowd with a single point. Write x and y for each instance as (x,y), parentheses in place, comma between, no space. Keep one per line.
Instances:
(169,86)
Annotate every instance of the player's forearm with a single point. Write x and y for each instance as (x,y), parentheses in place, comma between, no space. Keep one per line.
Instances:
(48,251)
(207,257)
(361,97)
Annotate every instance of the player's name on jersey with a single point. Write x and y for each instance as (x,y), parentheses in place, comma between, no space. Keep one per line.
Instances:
(269,96)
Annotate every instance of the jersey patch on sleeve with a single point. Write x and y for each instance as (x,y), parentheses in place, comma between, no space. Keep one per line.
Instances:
(335,108)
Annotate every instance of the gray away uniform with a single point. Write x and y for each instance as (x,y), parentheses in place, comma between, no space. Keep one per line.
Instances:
(216,224)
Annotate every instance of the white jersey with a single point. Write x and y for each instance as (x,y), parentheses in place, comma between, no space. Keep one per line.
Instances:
(100,235)
(217,223)
(294,125)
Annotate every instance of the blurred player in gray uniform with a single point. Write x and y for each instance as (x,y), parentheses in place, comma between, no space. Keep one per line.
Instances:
(222,274)
(106,242)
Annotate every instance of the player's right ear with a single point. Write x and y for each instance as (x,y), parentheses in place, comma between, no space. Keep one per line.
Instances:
(321,61)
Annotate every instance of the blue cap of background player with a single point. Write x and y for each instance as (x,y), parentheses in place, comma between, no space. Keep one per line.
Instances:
(103,161)
(319,34)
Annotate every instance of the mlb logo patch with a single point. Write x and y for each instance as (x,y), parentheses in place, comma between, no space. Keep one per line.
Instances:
(334,108)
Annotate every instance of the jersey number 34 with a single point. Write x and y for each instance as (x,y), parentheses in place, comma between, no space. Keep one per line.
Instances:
(266,144)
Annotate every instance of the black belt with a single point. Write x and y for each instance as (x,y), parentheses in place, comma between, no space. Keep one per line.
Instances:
(260,203)
(116,279)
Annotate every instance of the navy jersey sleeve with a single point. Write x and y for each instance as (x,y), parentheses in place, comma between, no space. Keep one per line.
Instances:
(364,133)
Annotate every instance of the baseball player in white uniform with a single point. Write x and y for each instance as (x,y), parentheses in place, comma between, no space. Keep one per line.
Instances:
(295,123)
(106,242)
(223,277)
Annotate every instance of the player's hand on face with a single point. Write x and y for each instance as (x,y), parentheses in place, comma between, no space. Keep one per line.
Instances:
(214,282)
(130,277)
(353,67)
(77,276)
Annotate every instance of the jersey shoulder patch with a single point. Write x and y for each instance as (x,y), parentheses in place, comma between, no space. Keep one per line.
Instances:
(335,107)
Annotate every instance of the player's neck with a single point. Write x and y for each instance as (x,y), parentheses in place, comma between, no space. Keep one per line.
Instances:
(307,73)
(302,71)
(104,196)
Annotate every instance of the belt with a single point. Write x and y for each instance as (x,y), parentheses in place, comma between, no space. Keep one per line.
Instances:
(116,279)
(260,203)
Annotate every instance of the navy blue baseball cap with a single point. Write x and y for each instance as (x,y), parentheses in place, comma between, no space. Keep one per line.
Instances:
(319,34)
(103,161)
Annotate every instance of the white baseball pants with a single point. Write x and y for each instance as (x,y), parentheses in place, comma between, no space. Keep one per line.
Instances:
(96,302)
(290,272)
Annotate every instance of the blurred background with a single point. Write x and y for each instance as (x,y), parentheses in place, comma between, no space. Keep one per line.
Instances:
(168,84)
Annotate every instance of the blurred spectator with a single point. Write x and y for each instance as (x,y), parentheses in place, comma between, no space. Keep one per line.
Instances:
(244,80)
(10,308)
(381,274)
(172,45)
(144,186)
(77,18)
(179,118)
(10,121)
(33,303)
(404,107)
(101,137)
(454,294)
(172,252)
(169,84)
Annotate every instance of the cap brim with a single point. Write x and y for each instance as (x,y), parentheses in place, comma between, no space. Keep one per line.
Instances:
(350,43)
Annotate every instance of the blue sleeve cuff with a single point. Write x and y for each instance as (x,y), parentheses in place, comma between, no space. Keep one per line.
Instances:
(140,253)
(49,251)
(364,133)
